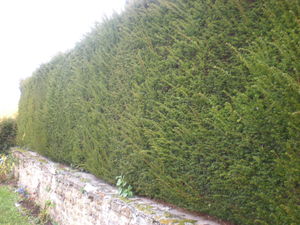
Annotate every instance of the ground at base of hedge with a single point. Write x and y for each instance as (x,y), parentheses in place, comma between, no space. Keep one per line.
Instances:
(10,214)
(16,210)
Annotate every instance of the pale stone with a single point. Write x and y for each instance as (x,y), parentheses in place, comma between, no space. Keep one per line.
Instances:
(81,199)
(90,188)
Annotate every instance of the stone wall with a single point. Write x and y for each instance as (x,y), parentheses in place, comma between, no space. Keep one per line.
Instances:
(79,198)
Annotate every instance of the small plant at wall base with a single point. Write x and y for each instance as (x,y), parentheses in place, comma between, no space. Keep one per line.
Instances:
(44,217)
(124,189)
(23,192)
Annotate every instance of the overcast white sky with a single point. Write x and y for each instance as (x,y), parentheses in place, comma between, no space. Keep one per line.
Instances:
(33,31)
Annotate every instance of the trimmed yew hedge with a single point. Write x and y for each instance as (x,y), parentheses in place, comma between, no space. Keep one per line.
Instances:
(196,102)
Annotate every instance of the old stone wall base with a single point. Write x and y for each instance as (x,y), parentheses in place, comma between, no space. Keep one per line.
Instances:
(79,198)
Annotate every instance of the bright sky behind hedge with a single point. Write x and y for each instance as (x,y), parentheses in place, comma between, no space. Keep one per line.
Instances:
(33,31)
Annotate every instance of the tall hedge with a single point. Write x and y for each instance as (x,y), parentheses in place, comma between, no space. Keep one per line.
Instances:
(196,102)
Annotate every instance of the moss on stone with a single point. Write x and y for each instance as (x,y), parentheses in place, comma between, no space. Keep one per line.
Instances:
(177,221)
(145,208)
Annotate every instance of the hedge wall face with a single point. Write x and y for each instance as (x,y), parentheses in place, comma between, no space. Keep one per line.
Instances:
(195,102)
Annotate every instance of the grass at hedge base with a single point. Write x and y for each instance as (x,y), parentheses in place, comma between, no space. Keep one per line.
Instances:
(10,215)
(194,102)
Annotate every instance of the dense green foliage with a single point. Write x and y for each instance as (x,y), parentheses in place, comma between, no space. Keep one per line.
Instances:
(8,132)
(196,102)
